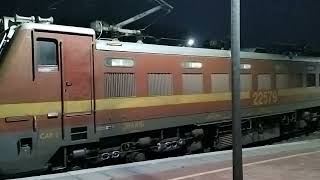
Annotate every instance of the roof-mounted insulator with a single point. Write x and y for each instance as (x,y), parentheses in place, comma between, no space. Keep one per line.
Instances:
(7,22)
(33,19)
(23,19)
(45,20)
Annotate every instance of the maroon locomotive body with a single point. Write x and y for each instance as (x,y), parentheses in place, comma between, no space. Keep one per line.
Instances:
(67,99)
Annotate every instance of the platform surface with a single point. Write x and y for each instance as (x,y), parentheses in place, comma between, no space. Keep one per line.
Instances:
(291,161)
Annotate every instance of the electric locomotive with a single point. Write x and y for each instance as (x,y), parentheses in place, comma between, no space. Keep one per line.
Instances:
(70,100)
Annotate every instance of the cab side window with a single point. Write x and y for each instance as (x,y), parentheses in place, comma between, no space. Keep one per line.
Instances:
(46,55)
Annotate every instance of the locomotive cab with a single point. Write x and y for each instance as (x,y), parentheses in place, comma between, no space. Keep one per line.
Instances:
(42,69)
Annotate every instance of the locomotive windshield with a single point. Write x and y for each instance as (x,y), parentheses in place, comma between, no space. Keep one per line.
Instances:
(6,33)
(5,37)
(4,41)
(3,33)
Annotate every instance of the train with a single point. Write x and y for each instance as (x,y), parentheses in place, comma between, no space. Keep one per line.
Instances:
(69,100)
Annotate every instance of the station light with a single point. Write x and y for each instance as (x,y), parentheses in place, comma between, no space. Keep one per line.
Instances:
(190,42)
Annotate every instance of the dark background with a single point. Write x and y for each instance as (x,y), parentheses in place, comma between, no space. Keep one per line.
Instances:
(263,21)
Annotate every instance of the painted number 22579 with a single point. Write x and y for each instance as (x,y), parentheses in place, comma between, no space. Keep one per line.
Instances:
(264,97)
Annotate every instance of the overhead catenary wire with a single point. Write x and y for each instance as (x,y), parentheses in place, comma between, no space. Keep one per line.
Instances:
(52,6)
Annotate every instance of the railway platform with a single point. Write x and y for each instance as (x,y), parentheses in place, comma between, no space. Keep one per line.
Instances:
(294,161)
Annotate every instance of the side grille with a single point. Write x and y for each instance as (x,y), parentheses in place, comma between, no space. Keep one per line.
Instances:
(192,83)
(120,85)
(160,84)
(79,133)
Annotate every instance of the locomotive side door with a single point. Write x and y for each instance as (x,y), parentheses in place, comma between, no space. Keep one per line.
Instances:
(77,87)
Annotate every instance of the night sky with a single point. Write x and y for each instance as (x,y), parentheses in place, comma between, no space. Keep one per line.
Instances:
(263,21)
